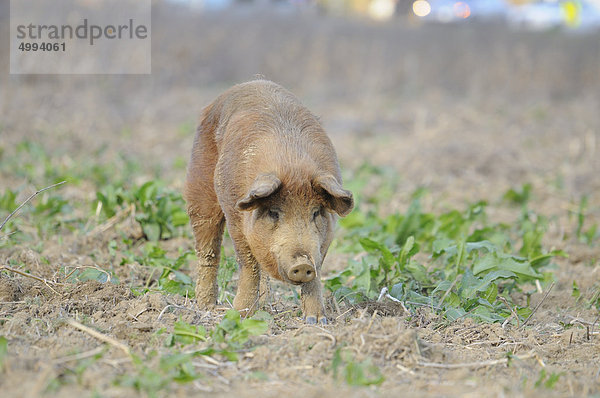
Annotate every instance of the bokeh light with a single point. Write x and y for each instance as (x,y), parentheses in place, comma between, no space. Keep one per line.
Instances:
(421,8)
(382,9)
(461,9)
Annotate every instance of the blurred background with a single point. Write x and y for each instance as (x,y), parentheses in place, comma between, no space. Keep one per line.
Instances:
(476,96)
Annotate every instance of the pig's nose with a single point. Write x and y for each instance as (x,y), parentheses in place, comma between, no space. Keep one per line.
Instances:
(301,273)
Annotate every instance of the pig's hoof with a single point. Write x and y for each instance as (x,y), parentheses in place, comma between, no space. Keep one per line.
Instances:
(312,320)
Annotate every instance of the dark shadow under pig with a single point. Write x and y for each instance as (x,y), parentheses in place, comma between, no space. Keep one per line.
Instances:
(262,163)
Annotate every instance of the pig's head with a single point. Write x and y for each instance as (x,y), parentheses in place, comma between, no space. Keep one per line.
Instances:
(289,227)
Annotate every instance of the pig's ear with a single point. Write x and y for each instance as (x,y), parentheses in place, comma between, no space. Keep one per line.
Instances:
(263,186)
(338,199)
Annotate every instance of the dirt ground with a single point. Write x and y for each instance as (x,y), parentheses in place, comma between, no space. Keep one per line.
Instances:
(467,112)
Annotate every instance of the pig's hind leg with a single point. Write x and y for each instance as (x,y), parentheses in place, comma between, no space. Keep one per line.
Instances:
(207,223)
(206,216)
(208,233)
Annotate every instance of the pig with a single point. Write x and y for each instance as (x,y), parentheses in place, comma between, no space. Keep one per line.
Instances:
(262,164)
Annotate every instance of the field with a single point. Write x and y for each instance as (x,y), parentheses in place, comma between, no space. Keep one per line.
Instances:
(473,152)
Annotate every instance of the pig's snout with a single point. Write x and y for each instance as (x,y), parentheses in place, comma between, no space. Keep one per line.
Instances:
(301,273)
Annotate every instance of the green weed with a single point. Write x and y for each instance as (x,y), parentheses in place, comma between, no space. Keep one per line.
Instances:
(546,380)
(48,213)
(227,268)
(227,339)
(520,197)
(8,200)
(152,379)
(592,234)
(160,211)
(355,373)
(172,279)
(8,203)
(32,162)
(90,273)
(72,374)
(456,262)
(3,351)
(184,333)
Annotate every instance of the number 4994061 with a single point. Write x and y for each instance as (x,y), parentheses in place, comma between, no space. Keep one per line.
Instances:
(44,46)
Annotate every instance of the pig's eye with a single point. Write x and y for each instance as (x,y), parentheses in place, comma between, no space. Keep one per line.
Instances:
(316,213)
(273,214)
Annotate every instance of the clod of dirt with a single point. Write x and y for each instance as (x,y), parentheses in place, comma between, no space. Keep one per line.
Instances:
(9,290)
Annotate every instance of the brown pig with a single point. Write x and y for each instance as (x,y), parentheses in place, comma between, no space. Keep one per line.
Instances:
(262,163)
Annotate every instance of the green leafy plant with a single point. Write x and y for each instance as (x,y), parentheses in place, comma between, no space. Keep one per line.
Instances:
(3,351)
(547,380)
(171,368)
(171,279)
(49,214)
(518,197)
(592,234)
(355,373)
(594,300)
(8,203)
(89,273)
(72,374)
(576,293)
(184,333)
(236,331)
(456,262)
(160,211)
(8,200)
(227,339)
(33,162)
(227,268)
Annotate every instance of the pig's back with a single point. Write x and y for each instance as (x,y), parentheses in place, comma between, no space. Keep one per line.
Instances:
(262,118)
(263,128)
(261,106)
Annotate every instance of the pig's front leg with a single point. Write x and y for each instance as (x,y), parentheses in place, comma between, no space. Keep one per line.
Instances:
(312,302)
(246,298)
